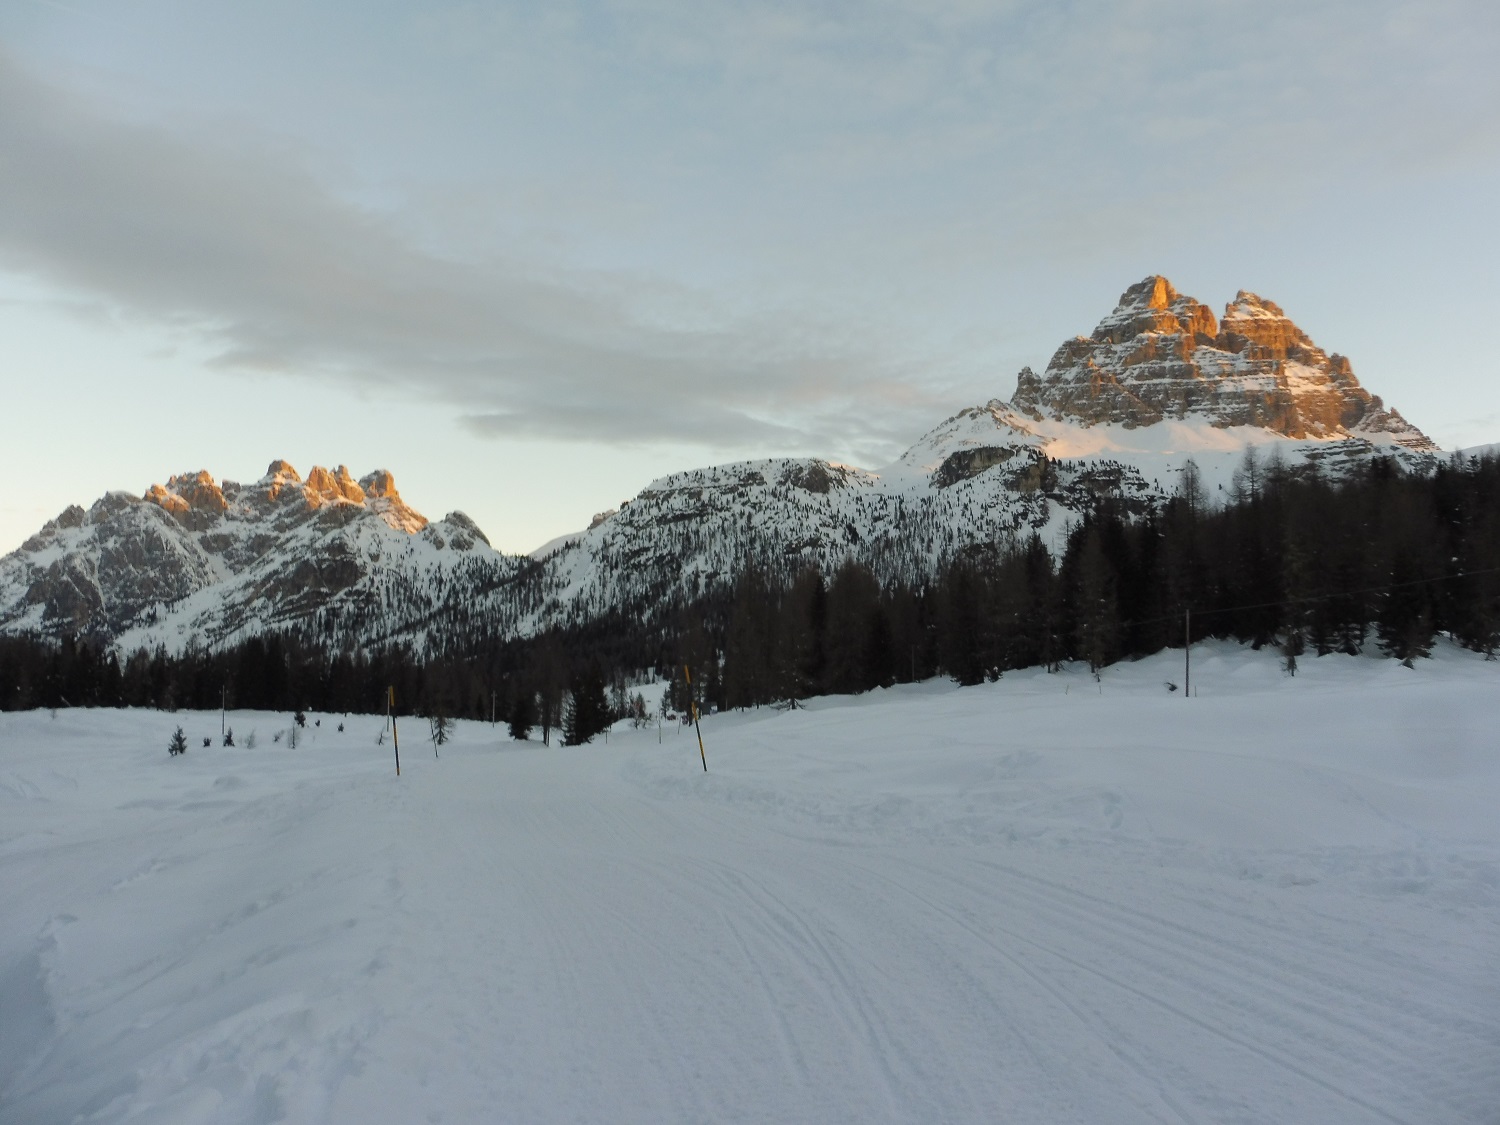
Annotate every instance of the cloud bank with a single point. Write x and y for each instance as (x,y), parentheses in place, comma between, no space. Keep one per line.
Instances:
(282,276)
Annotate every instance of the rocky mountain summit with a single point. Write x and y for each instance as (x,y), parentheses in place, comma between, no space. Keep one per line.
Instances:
(1117,414)
(1161,355)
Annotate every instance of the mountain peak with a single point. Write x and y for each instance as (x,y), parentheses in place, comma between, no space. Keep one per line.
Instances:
(1162,355)
(1154,306)
(197,501)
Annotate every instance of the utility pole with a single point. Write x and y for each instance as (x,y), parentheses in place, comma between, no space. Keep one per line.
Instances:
(223,708)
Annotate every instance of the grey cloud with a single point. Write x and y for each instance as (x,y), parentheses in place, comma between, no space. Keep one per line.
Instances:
(894,134)
(284,277)
(1369,74)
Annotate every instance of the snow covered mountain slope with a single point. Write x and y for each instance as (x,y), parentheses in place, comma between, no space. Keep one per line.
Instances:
(196,562)
(1117,413)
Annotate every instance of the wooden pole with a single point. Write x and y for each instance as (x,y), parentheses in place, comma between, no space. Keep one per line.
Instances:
(1187,653)
(390,711)
(693,710)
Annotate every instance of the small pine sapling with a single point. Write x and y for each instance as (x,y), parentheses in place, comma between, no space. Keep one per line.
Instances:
(178,745)
(229,737)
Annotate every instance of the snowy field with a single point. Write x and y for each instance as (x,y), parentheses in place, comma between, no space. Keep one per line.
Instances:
(1042,900)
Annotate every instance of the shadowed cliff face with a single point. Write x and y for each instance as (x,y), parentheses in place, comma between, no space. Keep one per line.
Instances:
(1162,355)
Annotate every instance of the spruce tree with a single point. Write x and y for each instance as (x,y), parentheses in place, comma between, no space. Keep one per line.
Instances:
(178,745)
(522,715)
(587,711)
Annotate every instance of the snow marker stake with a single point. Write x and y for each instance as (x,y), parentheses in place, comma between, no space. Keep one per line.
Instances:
(693,710)
(1187,653)
(390,713)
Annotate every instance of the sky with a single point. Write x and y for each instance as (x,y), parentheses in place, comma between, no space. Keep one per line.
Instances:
(529,257)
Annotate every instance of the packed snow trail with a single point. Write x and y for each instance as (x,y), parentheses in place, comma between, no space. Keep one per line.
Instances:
(1040,900)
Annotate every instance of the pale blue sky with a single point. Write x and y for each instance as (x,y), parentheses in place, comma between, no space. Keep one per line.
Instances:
(529,257)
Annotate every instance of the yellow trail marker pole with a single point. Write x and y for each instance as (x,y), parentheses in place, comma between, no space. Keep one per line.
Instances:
(693,710)
(390,710)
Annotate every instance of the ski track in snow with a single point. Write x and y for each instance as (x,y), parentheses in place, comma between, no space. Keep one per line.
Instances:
(1279,901)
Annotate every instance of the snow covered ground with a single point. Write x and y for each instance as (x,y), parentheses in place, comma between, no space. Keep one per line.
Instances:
(1042,900)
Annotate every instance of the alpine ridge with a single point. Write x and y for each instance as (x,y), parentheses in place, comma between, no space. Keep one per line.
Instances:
(1159,383)
(196,561)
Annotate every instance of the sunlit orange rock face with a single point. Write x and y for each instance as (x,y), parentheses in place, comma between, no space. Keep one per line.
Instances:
(1161,355)
(347,486)
(195,500)
(323,487)
(378,484)
(279,476)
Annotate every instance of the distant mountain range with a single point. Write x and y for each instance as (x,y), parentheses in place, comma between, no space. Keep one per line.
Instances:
(1118,413)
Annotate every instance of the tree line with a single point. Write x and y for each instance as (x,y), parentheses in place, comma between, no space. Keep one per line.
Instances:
(1287,557)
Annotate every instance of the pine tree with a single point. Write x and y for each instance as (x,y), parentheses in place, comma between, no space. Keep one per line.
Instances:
(1098,611)
(522,715)
(178,745)
(963,623)
(587,710)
